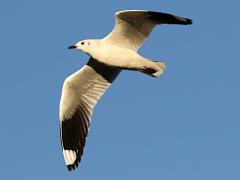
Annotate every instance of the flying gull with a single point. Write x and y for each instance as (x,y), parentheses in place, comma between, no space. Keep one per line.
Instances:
(108,56)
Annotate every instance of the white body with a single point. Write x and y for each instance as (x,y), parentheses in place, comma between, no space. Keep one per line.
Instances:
(119,57)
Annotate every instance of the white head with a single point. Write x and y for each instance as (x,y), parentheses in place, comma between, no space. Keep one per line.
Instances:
(84,45)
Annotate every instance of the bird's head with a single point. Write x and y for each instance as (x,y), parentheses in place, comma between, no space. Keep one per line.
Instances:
(84,45)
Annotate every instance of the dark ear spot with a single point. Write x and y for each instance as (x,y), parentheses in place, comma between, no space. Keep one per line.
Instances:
(82,43)
(89,43)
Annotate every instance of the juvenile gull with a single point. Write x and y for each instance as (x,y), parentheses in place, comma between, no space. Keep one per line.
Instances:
(108,56)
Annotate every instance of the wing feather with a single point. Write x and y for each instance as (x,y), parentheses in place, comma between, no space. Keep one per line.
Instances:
(80,93)
(132,27)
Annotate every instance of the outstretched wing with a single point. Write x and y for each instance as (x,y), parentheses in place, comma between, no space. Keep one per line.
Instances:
(80,93)
(132,27)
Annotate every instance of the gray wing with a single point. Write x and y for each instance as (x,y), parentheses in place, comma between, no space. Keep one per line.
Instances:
(80,93)
(132,27)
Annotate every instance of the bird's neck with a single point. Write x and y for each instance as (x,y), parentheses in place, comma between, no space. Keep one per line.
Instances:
(95,44)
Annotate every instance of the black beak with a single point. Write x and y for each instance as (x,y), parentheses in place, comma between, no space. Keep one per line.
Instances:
(72,47)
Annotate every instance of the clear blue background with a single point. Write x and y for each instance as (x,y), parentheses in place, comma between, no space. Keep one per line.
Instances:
(182,126)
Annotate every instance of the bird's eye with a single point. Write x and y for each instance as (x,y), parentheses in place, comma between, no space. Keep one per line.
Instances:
(82,43)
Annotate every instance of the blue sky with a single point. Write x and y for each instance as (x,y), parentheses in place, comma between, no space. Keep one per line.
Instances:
(182,126)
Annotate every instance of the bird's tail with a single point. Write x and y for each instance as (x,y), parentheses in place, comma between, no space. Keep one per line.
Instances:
(157,70)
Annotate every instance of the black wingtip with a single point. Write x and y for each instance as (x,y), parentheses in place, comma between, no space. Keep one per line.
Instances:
(165,18)
(72,166)
(188,21)
(182,21)
(76,162)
